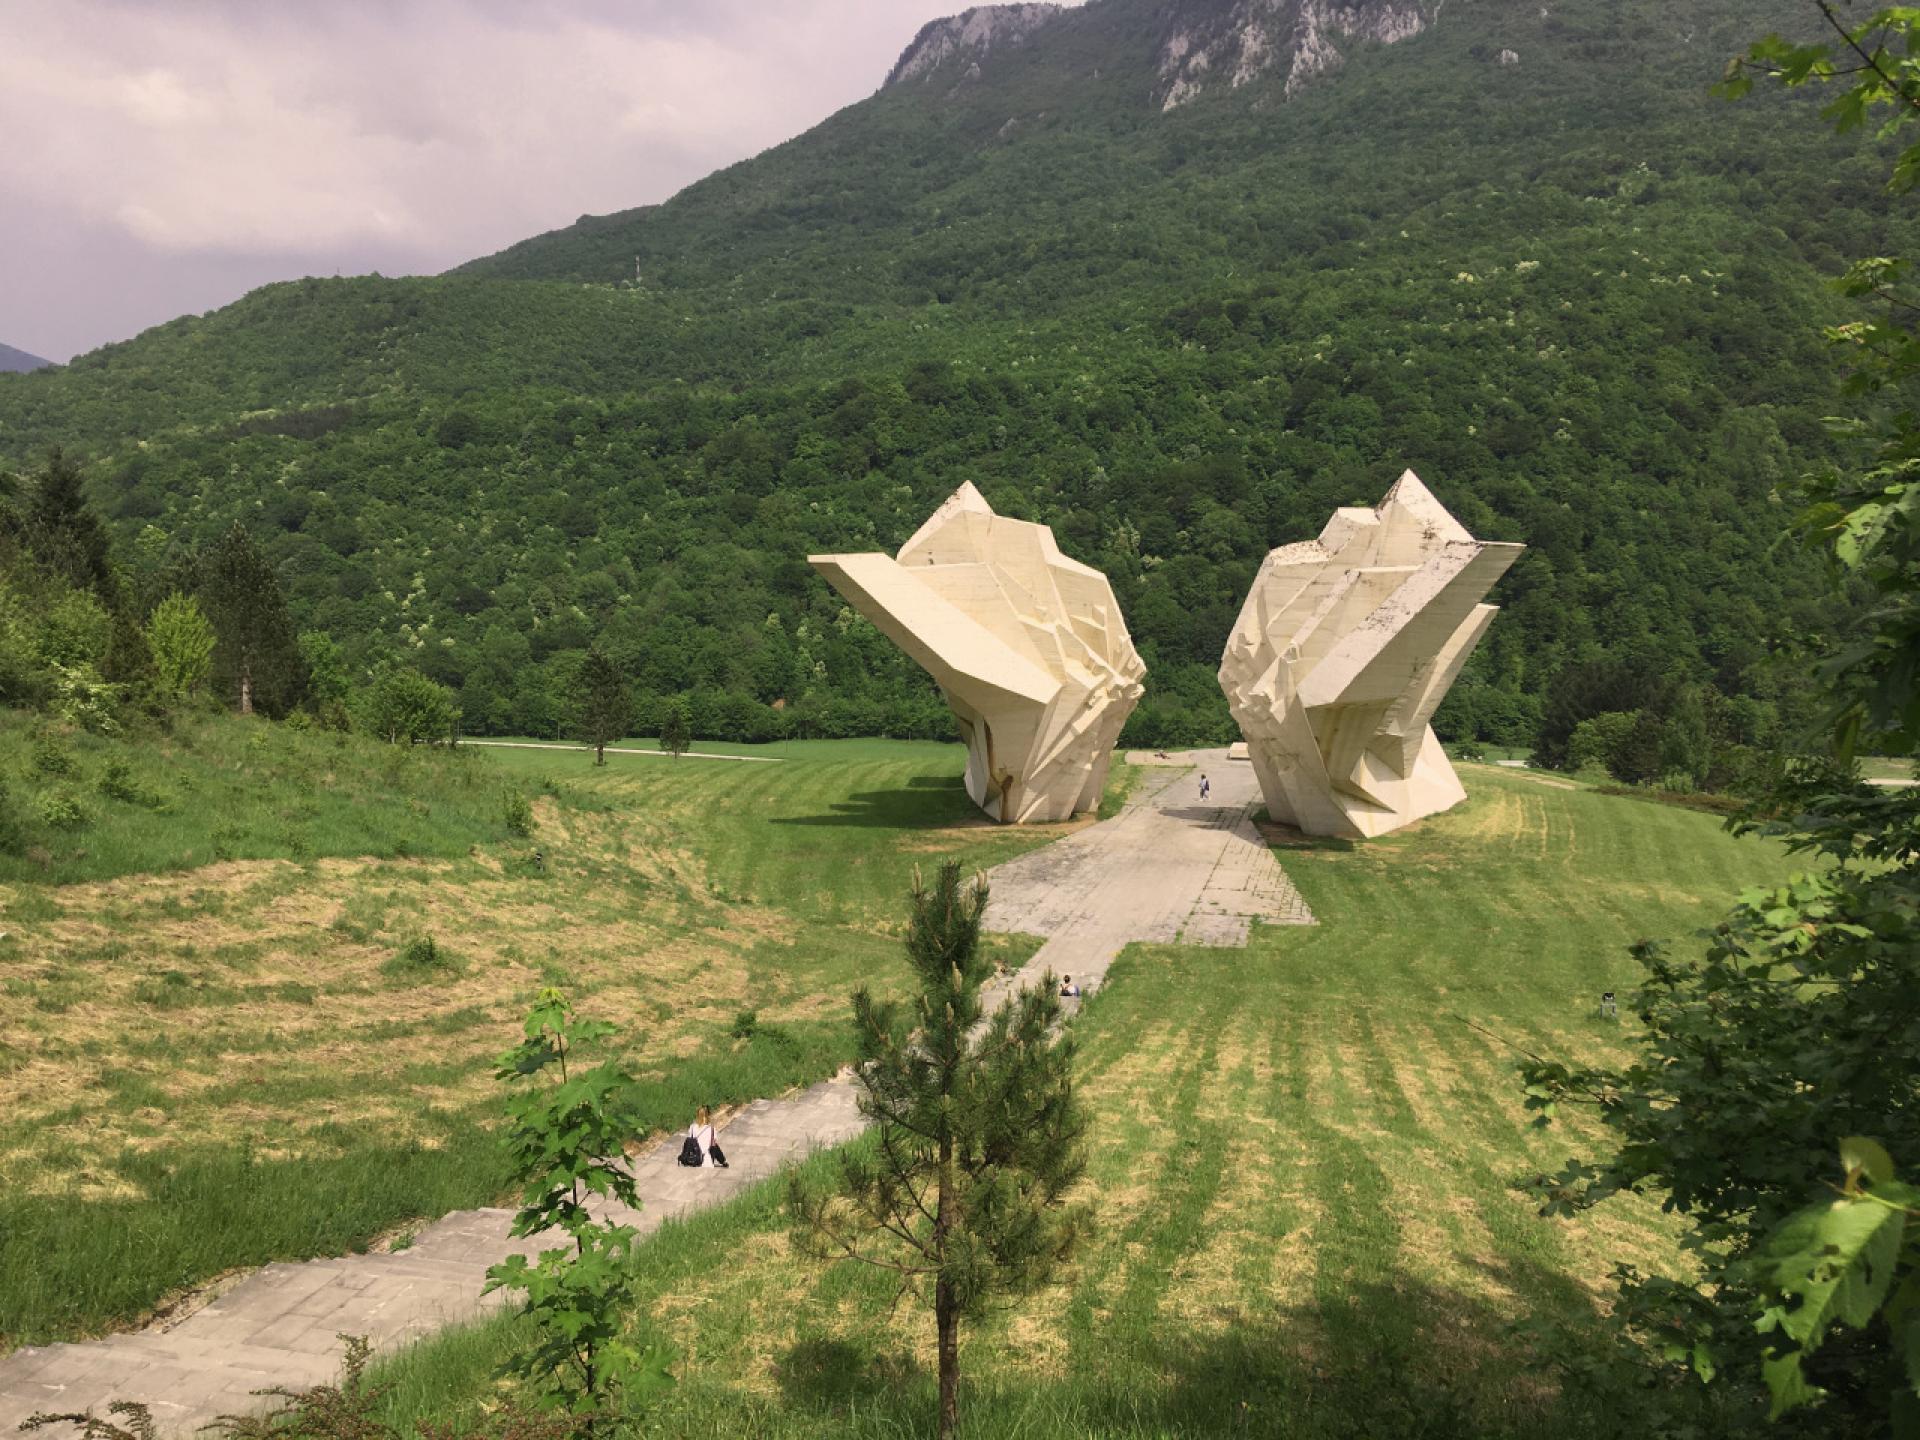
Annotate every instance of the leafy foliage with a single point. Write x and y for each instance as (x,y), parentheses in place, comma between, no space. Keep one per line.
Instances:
(403,707)
(565,1143)
(1846,1260)
(978,1133)
(676,734)
(181,643)
(1801,1021)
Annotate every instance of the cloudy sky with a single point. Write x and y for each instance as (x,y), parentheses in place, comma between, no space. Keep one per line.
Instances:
(166,156)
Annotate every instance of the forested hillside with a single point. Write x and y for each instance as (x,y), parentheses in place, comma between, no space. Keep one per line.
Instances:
(1523,252)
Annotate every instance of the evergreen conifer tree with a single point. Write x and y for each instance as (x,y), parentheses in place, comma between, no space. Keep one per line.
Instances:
(256,659)
(979,1134)
(606,705)
(63,532)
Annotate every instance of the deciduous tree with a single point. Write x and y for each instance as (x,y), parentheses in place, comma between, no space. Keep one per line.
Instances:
(676,734)
(181,642)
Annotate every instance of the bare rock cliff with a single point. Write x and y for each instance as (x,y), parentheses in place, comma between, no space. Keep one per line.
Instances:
(1297,39)
(954,47)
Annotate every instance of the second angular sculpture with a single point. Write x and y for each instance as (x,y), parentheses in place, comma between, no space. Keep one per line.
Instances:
(1027,645)
(1345,648)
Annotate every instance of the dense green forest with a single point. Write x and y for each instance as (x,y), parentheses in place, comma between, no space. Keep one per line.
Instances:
(1578,295)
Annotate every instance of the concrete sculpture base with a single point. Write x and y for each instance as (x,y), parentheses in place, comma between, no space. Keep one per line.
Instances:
(1344,649)
(1027,645)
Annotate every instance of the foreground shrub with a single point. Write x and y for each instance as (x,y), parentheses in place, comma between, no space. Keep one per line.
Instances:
(61,809)
(117,782)
(51,756)
(566,1139)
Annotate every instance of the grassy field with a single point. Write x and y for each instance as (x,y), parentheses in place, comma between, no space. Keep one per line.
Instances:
(208,1063)
(1303,1163)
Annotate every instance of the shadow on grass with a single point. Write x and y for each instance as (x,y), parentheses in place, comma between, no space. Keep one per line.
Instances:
(828,1376)
(1285,837)
(1399,1358)
(923,802)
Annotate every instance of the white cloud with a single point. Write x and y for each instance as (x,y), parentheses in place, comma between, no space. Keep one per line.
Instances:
(408,135)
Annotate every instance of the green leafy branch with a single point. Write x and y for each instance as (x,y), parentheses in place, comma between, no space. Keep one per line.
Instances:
(1845,1261)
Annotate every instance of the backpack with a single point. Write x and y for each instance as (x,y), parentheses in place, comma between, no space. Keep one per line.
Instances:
(690,1151)
(714,1154)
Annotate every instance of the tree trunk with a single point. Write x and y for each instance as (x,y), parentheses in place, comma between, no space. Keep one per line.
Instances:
(600,752)
(946,1316)
(246,690)
(948,1325)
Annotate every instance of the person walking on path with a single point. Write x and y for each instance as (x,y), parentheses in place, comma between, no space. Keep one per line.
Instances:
(1206,789)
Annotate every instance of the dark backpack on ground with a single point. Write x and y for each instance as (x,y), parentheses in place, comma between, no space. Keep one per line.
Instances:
(715,1154)
(690,1151)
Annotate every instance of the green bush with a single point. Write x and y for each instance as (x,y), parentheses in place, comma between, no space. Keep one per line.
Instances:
(61,809)
(744,1024)
(421,958)
(51,757)
(117,782)
(516,813)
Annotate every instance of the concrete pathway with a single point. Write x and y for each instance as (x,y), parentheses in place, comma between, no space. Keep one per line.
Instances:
(1169,867)
(281,1325)
(617,750)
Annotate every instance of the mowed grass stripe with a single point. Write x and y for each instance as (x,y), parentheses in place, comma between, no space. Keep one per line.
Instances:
(1302,1167)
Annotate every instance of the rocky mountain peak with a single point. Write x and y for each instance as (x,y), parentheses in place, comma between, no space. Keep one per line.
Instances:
(1297,39)
(954,47)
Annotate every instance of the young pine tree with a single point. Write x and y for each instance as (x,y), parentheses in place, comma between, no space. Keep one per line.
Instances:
(978,1134)
(606,705)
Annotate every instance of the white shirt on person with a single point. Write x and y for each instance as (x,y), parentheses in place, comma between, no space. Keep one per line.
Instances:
(703,1135)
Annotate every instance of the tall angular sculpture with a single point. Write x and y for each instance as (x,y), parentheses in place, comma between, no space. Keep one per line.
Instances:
(1343,651)
(1027,645)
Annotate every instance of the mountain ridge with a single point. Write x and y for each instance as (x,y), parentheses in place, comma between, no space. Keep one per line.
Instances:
(14,361)
(1581,298)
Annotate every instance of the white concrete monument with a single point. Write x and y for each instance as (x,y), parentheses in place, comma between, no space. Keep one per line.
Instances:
(1343,651)
(1027,645)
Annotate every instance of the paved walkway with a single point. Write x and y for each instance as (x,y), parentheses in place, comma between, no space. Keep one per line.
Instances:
(281,1325)
(622,750)
(1168,868)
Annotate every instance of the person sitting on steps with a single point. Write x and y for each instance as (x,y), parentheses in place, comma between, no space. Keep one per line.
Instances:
(1068,988)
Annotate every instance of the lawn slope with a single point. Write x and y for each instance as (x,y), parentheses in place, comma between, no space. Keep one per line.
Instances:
(1302,1163)
(214,1063)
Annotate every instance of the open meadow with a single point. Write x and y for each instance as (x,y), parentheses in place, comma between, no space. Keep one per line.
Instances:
(1302,1167)
(225,1040)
